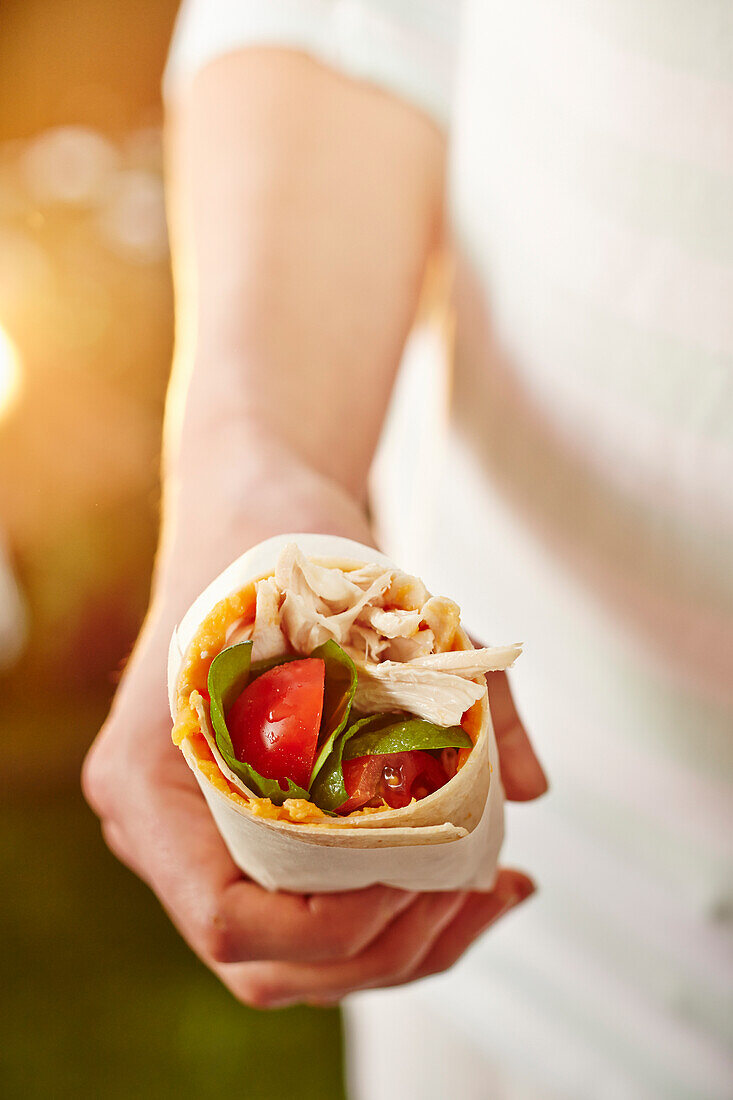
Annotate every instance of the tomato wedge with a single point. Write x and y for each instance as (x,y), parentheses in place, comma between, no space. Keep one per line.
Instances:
(396,777)
(274,723)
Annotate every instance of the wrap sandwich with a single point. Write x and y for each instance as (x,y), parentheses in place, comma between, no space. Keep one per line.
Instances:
(336,718)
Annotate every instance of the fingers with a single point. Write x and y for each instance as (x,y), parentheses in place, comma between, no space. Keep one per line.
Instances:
(428,938)
(393,955)
(164,831)
(521,771)
(229,919)
(479,913)
(253,924)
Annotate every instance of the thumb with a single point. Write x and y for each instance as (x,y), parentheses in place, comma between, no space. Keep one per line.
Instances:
(521,771)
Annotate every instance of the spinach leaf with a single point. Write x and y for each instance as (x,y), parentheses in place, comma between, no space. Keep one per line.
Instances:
(328,790)
(338,696)
(403,736)
(228,677)
(378,735)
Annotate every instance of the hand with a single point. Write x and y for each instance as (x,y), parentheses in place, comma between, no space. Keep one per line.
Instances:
(429,931)
(272,949)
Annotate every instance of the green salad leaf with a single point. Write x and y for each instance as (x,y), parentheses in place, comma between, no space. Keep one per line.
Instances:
(403,735)
(379,735)
(229,675)
(338,696)
(328,790)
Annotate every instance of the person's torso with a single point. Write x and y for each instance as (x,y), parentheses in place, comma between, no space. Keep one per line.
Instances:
(580,499)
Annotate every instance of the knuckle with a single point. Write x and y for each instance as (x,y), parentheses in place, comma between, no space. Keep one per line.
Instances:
(95,781)
(217,940)
(113,840)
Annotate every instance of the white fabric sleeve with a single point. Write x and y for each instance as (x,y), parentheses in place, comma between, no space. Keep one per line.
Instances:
(405,46)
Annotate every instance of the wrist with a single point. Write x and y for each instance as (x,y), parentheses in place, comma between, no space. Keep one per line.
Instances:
(234,497)
(242,402)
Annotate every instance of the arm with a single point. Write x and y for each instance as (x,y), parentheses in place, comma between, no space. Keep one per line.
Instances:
(303,208)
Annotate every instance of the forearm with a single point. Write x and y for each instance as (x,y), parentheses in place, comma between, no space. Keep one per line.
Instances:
(303,207)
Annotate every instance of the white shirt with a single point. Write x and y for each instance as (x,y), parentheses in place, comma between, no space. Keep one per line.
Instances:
(580,491)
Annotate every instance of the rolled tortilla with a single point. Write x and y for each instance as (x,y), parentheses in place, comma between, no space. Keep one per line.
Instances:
(446,841)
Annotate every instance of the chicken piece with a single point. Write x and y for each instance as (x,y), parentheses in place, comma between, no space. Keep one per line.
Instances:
(304,627)
(312,593)
(439,697)
(470,662)
(365,644)
(391,624)
(239,632)
(365,575)
(443,617)
(405,592)
(407,649)
(268,639)
(324,584)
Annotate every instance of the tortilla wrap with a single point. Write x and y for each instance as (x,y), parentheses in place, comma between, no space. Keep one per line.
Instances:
(446,841)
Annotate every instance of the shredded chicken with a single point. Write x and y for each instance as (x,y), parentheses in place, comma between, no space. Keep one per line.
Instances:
(391,624)
(439,697)
(268,639)
(470,662)
(399,636)
(239,632)
(443,617)
(366,644)
(365,575)
(330,587)
(321,603)
(407,649)
(406,592)
(307,626)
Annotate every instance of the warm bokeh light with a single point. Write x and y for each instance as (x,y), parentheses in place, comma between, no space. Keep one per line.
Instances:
(86,338)
(9,373)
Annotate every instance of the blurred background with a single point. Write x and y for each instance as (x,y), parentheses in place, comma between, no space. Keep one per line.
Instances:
(99,993)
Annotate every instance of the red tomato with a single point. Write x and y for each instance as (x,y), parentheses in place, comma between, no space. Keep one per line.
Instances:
(395,777)
(274,723)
